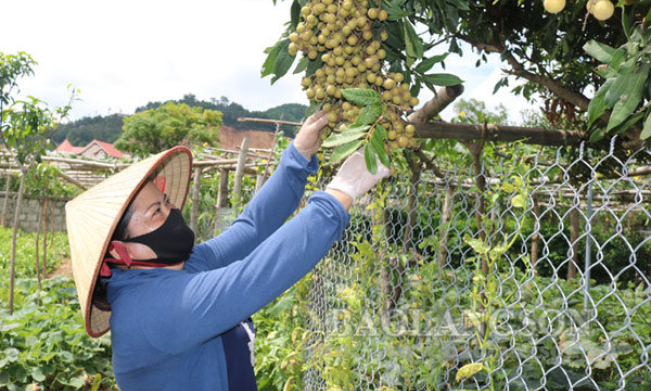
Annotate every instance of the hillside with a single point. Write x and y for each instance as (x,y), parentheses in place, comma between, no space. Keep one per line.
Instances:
(108,128)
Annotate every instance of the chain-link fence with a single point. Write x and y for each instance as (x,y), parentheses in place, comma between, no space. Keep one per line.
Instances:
(533,275)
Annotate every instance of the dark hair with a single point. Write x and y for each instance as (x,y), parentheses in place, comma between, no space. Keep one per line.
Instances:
(121,233)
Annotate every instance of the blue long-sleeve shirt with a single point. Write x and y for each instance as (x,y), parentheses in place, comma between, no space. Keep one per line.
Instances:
(167,325)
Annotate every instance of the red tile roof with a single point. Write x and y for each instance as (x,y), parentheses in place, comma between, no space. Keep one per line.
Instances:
(108,148)
(65,146)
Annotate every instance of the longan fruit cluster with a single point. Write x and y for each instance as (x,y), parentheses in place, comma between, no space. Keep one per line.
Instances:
(347,36)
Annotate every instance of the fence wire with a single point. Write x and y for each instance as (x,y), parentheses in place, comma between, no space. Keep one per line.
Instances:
(547,289)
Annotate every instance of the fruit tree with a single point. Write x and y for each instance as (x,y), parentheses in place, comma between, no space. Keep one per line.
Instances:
(366,61)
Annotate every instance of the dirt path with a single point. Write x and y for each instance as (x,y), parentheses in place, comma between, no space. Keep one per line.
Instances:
(64,269)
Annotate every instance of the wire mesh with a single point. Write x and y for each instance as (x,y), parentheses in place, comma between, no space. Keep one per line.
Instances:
(547,289)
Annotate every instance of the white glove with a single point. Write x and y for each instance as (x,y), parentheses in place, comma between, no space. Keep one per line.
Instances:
(354,178)
(307,140)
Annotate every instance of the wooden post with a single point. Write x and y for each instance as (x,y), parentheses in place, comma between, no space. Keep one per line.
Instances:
(536,236)
(239,170)
(445,220)
(574,233)
(36,249)
(5,204)
(46,222)
(222,199)
(259,181)
(12,267)
(222,195)
(196,199)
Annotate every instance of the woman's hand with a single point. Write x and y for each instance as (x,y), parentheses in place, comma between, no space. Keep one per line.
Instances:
(354,179)
(307,140)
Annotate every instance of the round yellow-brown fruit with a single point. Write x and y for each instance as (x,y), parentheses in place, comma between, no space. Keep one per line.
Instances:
(554,6)
(603,10)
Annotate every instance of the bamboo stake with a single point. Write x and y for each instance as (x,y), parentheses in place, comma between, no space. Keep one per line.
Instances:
(196,198)
(46,223)
(36,249)
(445,220)
(12,267)
(239,170)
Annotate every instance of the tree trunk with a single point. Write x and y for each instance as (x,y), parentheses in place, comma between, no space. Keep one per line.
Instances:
(443,97)
(12,267)
(574,220)
(196,199)
(529,135)
(5,204)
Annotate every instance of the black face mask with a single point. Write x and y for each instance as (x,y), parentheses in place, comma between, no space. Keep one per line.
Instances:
(172,242)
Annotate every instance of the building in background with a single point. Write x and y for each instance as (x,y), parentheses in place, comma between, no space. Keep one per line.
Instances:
(96,150)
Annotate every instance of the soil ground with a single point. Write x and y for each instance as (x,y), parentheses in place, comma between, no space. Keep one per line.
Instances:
(63,270)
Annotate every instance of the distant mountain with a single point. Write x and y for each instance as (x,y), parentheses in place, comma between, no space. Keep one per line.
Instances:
(231,111)
(82,131)
(108,128)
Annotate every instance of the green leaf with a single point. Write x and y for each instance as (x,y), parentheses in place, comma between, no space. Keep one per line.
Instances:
(371,159)
(477,245)
(442,79)
(348,135)
(627,104)
(369,114)
(302,65)
(295,13)
(283,61)
(377,142)
(597,105)
(345,150)
(268,65)
(600,51)
(633,119)
(597,135)
(646,132)
(621,84)
(618,59)
(413,43)
(428,63)
(361,96)
(37,374)
(519,201)
(469,370)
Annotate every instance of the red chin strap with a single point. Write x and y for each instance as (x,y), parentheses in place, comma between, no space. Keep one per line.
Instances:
(125,259)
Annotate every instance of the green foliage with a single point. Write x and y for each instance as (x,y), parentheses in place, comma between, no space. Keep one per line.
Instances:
(44,342)
(156,130)
(626,87)
(231,111)
(13,67)
(44,181)
(58,250)
(84,130)
(474,112)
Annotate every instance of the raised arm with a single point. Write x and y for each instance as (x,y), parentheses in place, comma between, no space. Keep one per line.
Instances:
(273,204)
(204,305)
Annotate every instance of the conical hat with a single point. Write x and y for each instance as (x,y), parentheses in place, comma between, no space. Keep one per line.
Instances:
(92,217)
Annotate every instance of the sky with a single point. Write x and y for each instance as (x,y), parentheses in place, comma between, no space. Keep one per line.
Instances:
(122,54)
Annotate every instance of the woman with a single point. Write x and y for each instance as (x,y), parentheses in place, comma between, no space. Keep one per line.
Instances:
(179,312)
